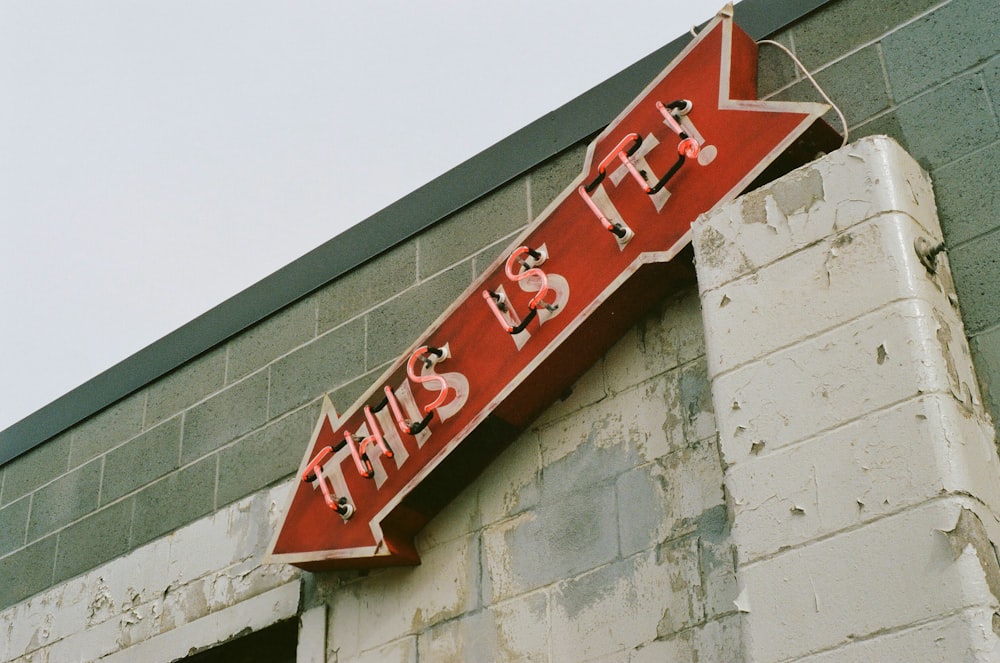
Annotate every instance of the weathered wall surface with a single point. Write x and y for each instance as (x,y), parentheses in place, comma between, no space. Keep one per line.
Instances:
(600,534)
(238,418)
(612,492)
(200,585)
(859,461)
(926,73)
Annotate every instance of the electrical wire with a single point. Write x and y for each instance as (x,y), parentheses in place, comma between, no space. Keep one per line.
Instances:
(843,120)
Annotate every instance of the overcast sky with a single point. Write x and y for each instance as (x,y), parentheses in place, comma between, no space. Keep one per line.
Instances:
(158,157)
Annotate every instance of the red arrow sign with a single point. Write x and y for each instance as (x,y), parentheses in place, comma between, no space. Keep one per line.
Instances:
(579,276)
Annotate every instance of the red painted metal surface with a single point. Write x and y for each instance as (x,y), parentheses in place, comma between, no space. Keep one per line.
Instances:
(551,305)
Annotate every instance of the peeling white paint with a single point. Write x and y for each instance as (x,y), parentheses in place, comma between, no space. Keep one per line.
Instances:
(211,565)
(849,358)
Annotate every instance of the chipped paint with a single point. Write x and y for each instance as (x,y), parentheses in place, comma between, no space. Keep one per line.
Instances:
(851,363)
(970,534)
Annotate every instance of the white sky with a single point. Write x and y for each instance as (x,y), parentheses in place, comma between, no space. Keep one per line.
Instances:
(157,157)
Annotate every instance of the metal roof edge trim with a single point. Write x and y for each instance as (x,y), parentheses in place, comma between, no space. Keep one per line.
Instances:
(408,216)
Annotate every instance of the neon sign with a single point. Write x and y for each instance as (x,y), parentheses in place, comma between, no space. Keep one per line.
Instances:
(580,276)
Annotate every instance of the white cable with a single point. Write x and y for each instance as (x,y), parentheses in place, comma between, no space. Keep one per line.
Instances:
(843,120)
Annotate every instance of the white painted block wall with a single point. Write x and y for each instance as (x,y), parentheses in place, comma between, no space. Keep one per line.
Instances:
(860,465)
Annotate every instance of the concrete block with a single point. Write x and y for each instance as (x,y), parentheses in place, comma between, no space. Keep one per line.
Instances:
(512,482)
(32,624)
(27,571)
(620,432)
(122,604)
(98,538)
(627,604)
(401,602)
(185,603)
(141,460)
(215,544)
(775,69)
(991,75)
(621,656)
(697,409)
(64,500)
(867,178)
(468,638)
(175,500)
(311,646)
(909,568)
(964,97)
(462,234)
(403,650)
(91,644)
(856,84)
(666,499)
(458,519)
(327,362)
(501,249)
(716,640)
(35,468)
(138,624)
(967,636)
(549,179)
(670,335)
(561,538)
(521,629)
(13,525)
(113,589)
(229,414)
(841,27)
(853,475)
(225,550)
(834,281)
(265,456)
(280,333)
(986,354)
(967,197)
(589,388)
(175,643)
(107,429)
(200,549)
(347,395)
(365,287)
(942,44)
(397,324)
(575,454)
(717,559)
(871,363)
(185,386)
(66,609)
(885,125)
(230,587)
(976,268)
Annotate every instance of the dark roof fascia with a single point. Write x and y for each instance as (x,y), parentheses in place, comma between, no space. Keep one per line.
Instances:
(472,179)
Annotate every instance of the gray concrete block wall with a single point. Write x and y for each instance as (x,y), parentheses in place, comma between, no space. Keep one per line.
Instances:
(927,73)
(237,419)
(601,533)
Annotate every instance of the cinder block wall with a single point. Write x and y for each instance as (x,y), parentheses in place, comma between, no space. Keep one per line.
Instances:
(601,532)
(926,73)
(238,418)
